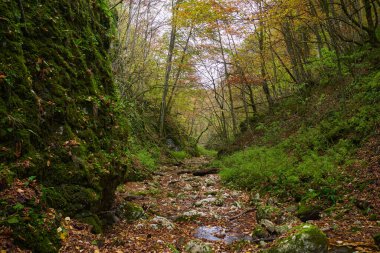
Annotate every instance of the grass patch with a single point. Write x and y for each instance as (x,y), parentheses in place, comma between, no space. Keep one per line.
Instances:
(147,159)
(180,155)
(207,152)
(272,169)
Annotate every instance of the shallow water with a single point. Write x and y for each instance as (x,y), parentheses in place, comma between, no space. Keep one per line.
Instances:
(220,234)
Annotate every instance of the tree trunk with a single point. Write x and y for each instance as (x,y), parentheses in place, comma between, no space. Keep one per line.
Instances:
(169,62)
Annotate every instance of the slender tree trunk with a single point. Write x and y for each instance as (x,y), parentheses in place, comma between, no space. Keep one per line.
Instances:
(179,71)
(169,62)
(245,105)
(252,99)
(260,35)
(231,100)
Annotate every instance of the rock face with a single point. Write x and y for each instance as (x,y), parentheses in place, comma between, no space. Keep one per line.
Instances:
(58,89)
(58,120)
(307,239)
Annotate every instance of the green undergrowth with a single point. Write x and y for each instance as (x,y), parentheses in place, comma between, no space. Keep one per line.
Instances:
(207,152)
(307,164)
(180,155)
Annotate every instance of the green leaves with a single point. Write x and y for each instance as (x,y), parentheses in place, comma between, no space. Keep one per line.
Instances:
(13,220)
(18,207)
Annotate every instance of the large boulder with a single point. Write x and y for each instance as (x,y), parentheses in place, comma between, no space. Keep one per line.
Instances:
(306,239)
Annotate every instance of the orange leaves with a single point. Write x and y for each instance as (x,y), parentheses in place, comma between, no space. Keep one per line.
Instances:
(245,80)
(71,143)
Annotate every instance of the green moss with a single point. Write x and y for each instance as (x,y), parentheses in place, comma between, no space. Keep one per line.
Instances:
(71,198)
(376,238)
(308,212)
(130,211)
(58,105)
(306,239)
(180,155)
(6,177)
(95,222)
(33,225)
(267,212)
(259,232)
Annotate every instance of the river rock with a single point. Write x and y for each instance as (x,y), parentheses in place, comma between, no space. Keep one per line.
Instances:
(270,226)
(190,216)
(205,201)
(197,246)
(306,239)
(188,187)
(260,232)
(282,229)
(210,182)
(163,222)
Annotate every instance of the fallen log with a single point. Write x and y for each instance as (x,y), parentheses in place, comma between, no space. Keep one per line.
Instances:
(242,213)
(269,239)
(200,173)
(133,197)
(205,172)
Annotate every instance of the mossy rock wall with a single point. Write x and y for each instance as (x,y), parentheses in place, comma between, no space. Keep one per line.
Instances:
(58,120)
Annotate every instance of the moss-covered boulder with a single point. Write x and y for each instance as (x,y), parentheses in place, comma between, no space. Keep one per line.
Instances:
(260,232)
(130,211)
(307,212)
(305,239)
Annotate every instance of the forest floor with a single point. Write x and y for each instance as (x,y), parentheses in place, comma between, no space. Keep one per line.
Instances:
(181,207)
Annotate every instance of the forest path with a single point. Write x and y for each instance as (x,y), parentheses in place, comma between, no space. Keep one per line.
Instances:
(178,206)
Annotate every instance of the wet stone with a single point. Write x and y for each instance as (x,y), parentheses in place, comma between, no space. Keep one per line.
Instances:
(216,233)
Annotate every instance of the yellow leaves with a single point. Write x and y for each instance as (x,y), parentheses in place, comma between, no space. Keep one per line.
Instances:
(62,233)
(63,236)
(193,12)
